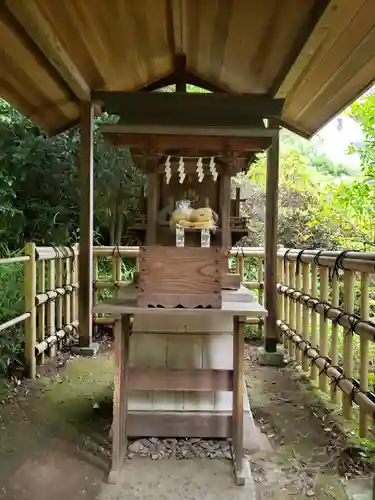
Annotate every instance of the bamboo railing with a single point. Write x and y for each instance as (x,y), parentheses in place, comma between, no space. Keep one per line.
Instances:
(51,301)
(323,304)
(323,310)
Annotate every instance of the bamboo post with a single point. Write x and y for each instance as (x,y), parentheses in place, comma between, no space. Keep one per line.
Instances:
(286,304)
(29,304)
(292,306)
(323,325)
(260,291)
(51,306)
(314,321)
(95,276)
(68,281)
(280,279)
(305,313)
(74,274)
(116,272)
(364,356)
(335,336)
(298,311)
(349,282)
(41,311)
(59,300)
(241,267)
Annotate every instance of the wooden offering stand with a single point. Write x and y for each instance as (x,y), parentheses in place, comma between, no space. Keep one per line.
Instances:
(181,373)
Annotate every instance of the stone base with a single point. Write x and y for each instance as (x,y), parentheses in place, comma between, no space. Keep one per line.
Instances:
(89,351)
(271,358)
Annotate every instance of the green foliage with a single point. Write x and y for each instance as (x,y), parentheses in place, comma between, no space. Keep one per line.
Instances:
(11,305)
(39,194)
(304,218)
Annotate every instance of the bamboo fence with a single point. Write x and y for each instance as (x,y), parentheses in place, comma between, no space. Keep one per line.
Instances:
(323,303)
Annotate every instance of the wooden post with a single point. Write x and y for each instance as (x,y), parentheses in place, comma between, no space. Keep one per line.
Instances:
(226,236)
(152,207)
(86,226)
(30,323)
(271,244)
(119,438)
(238,405)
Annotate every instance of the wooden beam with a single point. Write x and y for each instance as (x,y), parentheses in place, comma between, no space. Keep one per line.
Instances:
(160,143)
(152,207)
(305,30)
(120,398)
(238,403)
(254,130)
(164,81)
(178,425)
(324,20)
(197,81)
(43,35)
(174,108)
(180,71)
(225,192)
(86,225)
(160,379)
(272,187)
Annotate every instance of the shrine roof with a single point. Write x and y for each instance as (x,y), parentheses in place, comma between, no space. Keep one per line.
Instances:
(318,55)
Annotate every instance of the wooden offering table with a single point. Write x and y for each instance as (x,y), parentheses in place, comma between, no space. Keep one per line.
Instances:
(130,377)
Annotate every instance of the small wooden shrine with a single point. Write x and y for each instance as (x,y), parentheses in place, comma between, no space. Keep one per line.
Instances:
(184,361)
(188,221)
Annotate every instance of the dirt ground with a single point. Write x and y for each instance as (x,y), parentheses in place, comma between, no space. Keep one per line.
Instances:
(54,440)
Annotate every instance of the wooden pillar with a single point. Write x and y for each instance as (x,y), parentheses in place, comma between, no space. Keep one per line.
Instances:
(120,399)
(85,260)
(238,403)
(152,207)
(271,244)
(225,185)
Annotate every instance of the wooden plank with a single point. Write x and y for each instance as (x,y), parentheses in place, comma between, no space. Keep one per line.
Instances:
(175,425)
(160,379)
(119,436)
(197,143)
(193,108)
(186,277)
(272,188)
(85,261)
(117,307)
(231,282)
(238,403)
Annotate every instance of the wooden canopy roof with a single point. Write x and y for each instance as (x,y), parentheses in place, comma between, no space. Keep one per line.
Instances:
(317,54)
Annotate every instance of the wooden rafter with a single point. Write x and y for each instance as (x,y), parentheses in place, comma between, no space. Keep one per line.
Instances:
(306,30)
(317,34)
(40,31)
